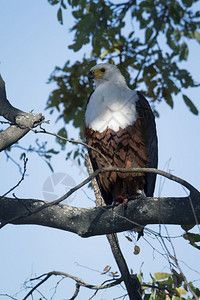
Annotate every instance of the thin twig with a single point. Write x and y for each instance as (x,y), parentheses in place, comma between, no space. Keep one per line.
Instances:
(76,292)
(6,295)
(22,178)
(79,282)
(37,285)
(71,141)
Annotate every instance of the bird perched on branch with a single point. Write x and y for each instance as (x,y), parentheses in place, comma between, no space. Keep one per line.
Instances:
(120,124)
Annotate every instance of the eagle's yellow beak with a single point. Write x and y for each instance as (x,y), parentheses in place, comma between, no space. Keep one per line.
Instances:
(95,74)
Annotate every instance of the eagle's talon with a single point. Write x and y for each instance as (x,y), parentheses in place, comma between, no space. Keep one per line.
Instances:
(125,202)
(120,200)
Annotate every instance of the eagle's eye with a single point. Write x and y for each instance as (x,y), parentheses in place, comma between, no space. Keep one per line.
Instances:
(103,69)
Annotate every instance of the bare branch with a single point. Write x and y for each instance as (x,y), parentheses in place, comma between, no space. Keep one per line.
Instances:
(72,141)
(6,295)
(79,282)
(21,122)
(21,179)
(76,292)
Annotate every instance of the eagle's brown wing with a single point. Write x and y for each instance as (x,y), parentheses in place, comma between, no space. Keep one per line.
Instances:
(146,115)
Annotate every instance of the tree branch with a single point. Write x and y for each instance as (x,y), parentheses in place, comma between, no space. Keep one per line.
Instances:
(140,211)
(21,122)
(79,142)
(88,222)
(79,282)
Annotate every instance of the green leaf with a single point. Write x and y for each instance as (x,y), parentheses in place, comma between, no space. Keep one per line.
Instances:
(187,3)
(136,250)
(52,151)
(53,2)
(128,238)
(196,290)
(147,296)
(191,106)
(148,34)
(176,298)
(183,52)
(104,54)
(106,269)
(59,16)
(49,165)
(187,227)
(117,50)
(197,35)
(160,276)
(63,4)
(131,34)
(63,133)
(167,95)
(22,156)
(193,238)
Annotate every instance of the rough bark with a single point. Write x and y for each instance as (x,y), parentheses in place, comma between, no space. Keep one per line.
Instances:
(20,122)
(88,222)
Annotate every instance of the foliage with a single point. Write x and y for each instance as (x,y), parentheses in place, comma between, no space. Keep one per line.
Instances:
(163,286)
(147,39)
(166,286)
(193,238)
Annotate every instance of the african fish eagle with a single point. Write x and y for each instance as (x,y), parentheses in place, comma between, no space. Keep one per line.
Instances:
(119,123)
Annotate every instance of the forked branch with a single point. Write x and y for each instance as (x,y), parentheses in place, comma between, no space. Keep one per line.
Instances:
(20,121)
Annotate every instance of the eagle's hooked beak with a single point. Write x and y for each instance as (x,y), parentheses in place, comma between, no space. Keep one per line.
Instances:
(90,75)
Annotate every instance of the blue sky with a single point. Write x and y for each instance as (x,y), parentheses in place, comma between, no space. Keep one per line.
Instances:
(32,43)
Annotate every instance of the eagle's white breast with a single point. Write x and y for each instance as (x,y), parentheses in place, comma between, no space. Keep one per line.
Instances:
(111,106)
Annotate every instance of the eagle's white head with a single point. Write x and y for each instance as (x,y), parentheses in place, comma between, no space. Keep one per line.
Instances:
(103,72)
(112,104)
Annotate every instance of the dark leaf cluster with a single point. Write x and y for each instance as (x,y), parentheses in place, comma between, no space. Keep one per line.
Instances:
(147,39)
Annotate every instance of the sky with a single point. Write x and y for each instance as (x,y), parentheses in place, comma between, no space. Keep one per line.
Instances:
(32,43)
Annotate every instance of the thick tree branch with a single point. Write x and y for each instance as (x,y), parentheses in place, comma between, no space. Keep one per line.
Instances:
(88,222)
(140,211)
(21,122)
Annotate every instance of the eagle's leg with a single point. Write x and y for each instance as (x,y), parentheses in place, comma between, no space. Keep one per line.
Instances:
(121,199)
